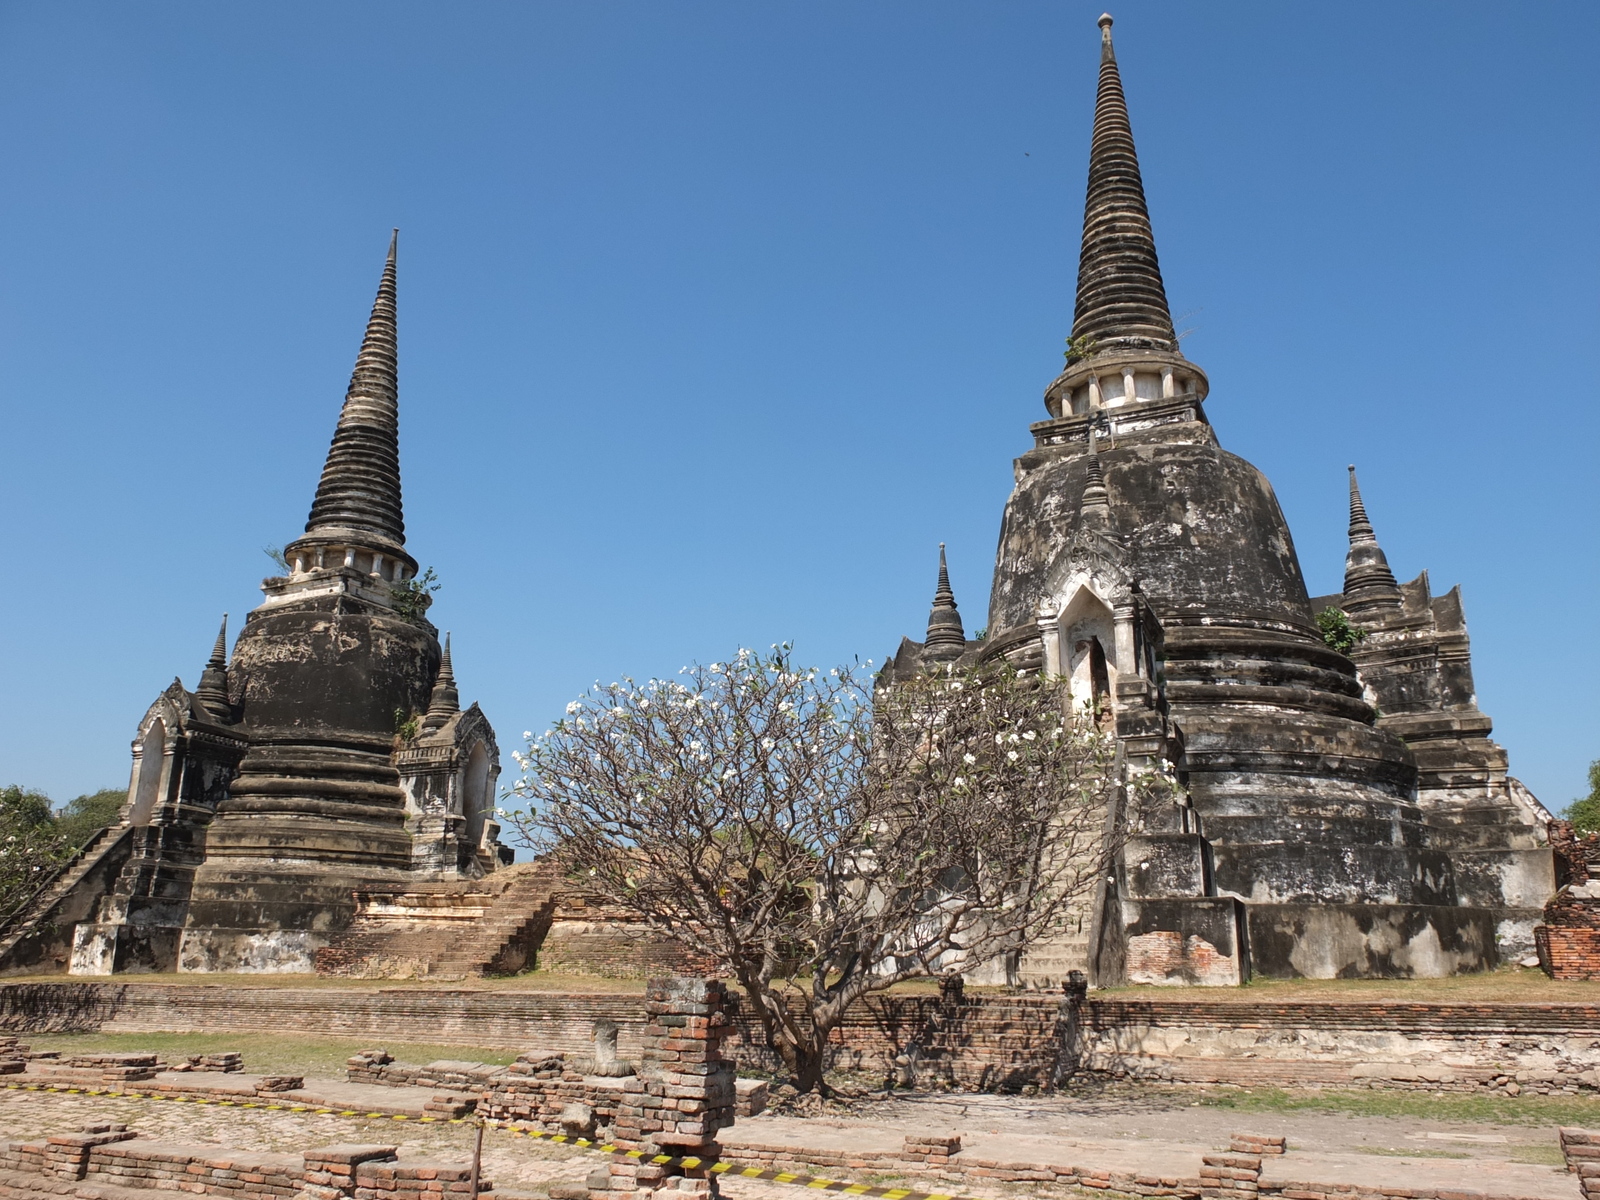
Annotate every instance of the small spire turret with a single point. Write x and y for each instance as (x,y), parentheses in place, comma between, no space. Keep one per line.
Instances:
(1095,510)
(1369,584)
(445,702)
(211,694)
(946,635)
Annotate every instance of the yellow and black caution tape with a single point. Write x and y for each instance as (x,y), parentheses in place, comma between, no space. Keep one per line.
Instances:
(688,1161)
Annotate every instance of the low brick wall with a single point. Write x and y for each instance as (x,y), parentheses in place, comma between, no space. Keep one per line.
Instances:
(997,1042)
(114,1155)
(1567,952)
(1581,1149)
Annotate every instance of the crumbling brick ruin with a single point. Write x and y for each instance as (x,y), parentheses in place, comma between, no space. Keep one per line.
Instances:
(1568,941)
(1581,1149)
(82,1164)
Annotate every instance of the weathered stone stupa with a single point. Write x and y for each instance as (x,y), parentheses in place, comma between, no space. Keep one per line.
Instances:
(327,662)
(1156,570)
(328,758)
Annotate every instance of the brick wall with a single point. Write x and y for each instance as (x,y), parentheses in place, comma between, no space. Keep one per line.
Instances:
(1568,953)
(1581,1148)
(984,1041)
(107,1154)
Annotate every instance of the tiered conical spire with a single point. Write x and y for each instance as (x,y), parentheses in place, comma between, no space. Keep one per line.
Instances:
(1369,584)
(359,495)
(1122,303)
(445,702)
(945,631)
(211,695)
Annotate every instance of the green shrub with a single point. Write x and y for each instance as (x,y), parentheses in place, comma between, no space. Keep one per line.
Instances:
(1338,632)
(1584,813)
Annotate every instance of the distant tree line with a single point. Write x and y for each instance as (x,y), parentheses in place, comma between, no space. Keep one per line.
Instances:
(1584,813)
(36,837)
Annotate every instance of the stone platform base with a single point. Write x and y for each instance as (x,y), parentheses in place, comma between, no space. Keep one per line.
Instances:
(985,1042)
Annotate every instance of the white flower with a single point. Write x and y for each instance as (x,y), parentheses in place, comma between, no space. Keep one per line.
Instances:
(1028,737)
(1012,755)
(526,734)
(767,743)
(959,782)
(573,707)
(969,758)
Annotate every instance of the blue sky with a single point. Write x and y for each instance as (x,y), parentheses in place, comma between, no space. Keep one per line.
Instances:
(716,318)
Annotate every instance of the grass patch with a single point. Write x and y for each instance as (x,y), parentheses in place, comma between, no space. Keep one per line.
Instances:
(267,1054)
(1509,985)
(1475,1110)
(1544,1156)
(1397,1152)
(532,981)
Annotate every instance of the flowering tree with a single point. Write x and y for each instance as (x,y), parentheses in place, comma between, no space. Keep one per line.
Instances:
(35,840)
(30,845)
(821,843)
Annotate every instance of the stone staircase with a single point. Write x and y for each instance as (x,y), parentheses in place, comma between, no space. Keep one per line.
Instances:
(490,926)
(58,902)
(507,937)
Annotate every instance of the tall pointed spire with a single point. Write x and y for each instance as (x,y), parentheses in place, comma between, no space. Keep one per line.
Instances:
(1122,303)
(946,635)
(211,695)
(445,702)
(358,497)
(1369,585)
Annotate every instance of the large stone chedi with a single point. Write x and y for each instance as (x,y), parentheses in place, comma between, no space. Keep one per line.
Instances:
(330,756)
(1154,568)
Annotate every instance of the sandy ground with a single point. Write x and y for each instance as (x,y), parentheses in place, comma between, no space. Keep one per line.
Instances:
(1166,1134)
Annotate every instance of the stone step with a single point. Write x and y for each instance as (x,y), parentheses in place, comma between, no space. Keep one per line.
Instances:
(470,947)
(21,920)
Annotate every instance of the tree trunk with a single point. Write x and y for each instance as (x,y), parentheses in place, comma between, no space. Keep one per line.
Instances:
(808,1078)
(803,1051)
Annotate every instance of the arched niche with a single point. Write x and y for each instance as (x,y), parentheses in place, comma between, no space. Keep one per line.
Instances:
(475,798)
(152,767)
(1088,652)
